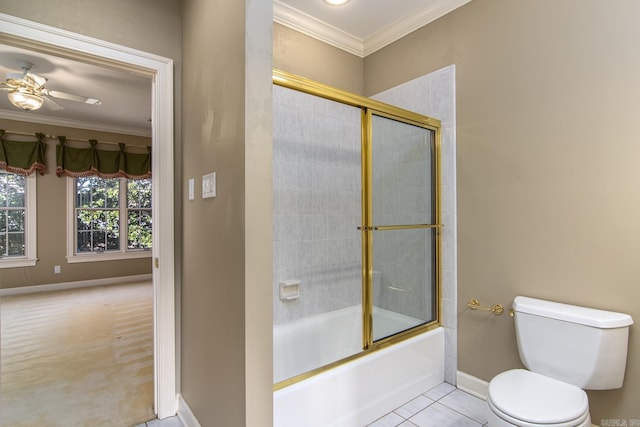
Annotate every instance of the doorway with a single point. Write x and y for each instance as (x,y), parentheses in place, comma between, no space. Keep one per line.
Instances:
(27,34)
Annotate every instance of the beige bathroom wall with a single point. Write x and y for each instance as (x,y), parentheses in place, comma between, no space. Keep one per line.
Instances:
(300,54)
(213,265)
(149,25)
(226,296)
(547,164)
(52,219)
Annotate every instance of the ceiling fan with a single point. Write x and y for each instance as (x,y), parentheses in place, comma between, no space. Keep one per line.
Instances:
(27,92)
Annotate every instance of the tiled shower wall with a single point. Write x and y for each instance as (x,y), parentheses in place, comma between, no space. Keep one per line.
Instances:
(316,166)
(434,95)
(316,185)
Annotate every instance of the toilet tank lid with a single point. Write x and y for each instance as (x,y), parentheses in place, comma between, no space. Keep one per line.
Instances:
(572,313)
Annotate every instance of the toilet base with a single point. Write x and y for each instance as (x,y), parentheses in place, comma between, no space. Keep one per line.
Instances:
(496,421)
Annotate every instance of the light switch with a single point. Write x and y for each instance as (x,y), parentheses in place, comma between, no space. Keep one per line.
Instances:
(209,185)
(192,190)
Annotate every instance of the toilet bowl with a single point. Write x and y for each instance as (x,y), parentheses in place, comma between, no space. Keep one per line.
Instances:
(566,349)
(526,399)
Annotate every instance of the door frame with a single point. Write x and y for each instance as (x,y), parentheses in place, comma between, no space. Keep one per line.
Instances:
(24,33)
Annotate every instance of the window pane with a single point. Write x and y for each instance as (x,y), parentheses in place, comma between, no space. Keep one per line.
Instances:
(15,190)
(98,220)
(84,190)
(113,241)
(139,236)
(12,214)
(83,197)
(94,192)
(139,214)
(84,241)
(4,192)
(98,193)
(12,187)
(16,220)
(83,220)
(139,193)
(99,240)
(97,230)
(112,192)
(16,244)
(112,219)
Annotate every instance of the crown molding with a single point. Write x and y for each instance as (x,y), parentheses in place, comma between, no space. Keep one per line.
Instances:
(400,28)
(70,123)
(313,27)
(320,30)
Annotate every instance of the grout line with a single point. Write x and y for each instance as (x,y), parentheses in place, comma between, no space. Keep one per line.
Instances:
(464,415)
(435,401)
(445,405)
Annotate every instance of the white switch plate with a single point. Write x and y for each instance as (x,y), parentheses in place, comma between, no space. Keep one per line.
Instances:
(192,191)
(209,185)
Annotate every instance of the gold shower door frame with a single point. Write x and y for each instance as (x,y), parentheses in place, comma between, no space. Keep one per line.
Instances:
(370,108)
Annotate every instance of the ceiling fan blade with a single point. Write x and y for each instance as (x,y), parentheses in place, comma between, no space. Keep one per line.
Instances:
(51,104)
(35,80)
(14,79)
(72,97)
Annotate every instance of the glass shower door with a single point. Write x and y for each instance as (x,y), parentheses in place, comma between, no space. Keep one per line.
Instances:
(404,266)
(356,251)
(317,263)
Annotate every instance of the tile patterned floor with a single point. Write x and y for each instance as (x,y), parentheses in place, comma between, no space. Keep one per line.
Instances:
(167,422)
(442,406)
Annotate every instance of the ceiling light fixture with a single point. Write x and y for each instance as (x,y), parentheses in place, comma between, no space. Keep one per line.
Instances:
(25,99)
(336,2)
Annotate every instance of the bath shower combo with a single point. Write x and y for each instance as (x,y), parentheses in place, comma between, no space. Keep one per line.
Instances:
(357,255)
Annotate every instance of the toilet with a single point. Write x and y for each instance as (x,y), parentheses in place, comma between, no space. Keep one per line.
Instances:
(566,349)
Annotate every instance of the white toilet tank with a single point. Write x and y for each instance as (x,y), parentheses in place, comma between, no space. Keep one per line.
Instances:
(578,345)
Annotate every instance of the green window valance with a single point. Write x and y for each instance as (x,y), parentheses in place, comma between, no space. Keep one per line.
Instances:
(91,161)
(23,157)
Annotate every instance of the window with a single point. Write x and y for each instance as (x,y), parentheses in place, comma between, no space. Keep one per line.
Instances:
(17,220)
(110,219)
(139,214)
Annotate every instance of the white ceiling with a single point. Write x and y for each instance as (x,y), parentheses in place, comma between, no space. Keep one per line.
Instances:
(126,97)
(360,27)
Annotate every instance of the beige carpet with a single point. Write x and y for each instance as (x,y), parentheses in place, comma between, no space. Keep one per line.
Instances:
(79,357)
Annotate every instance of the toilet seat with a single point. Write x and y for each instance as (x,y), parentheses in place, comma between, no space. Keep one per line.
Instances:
(524,398)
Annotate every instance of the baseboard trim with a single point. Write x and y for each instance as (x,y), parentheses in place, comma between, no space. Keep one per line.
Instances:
(472,385)
(185,415)
(73,285)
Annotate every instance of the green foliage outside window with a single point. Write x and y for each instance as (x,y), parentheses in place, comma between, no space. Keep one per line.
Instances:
(12,214)
(139,214)
(98,214)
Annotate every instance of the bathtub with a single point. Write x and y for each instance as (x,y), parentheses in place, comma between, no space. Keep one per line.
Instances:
(358,392)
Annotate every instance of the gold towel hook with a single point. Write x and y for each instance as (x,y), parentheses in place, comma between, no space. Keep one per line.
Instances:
(496,309)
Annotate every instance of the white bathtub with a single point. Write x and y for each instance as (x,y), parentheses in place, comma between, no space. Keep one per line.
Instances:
(356,393)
